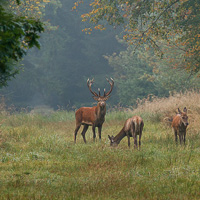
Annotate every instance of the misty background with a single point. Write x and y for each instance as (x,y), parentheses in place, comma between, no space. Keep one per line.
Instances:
(56,75)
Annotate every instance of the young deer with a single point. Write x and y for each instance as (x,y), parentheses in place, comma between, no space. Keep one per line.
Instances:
(179,124)
(132,127)
(93,116)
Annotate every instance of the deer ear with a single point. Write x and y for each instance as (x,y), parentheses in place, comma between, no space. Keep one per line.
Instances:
(109,137)
(185,110)
(179,111)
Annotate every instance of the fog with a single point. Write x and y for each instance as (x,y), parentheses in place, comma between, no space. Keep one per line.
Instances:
(56,74)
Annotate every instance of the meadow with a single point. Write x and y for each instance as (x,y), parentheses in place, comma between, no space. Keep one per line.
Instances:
(38,159)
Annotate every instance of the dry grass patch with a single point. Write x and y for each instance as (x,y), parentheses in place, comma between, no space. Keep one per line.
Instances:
(166,108)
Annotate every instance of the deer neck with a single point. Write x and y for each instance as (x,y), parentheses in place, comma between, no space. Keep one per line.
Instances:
(100,111)
(119,136)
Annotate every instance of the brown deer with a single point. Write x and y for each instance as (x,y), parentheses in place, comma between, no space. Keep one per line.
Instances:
(179,124)
(132,127)
(93,116)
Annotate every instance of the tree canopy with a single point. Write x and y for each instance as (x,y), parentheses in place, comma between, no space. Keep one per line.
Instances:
(56,74)
(17,35)
(176,22)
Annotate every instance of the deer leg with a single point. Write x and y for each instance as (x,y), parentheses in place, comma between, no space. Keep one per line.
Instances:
(184,137)
(128,140)
(140,135)
(180,138)
(76,131)
(176,138)
(84,131)
(99,131)
(135,141)
(94,134)
(134,135)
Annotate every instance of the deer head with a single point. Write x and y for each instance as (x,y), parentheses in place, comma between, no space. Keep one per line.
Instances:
(183,116)
(112,142)
(101,99)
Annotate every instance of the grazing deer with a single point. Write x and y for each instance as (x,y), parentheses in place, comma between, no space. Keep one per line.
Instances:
(93,116)
(179,124)
(132,127)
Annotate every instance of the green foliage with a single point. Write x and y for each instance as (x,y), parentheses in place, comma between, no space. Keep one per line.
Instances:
(168,74)
(177,22)
(142,74)
(18,2)
(17,35)
(56,75)
(129,71)
(168,81)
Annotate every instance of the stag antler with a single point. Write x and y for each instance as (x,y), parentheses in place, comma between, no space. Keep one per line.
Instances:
(89,84)
(111,87)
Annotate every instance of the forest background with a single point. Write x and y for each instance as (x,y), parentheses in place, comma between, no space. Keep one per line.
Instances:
(55,75)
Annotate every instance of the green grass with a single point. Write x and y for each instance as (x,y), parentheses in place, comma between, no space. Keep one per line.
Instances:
(38,160)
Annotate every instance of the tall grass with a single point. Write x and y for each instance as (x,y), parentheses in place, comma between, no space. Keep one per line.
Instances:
(164,108)
(38,159)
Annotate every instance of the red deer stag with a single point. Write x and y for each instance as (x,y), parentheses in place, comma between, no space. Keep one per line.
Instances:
(93,116)
(132,127)
(179,124)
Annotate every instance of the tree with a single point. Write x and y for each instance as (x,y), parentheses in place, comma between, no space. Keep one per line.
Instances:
(168,75)
(145,22)
(56,74)
(140,74)
(17,35)
(129,72)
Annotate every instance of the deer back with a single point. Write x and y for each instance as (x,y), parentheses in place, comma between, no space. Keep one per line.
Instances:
(134,123)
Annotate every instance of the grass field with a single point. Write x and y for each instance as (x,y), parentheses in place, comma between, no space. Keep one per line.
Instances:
(38,159)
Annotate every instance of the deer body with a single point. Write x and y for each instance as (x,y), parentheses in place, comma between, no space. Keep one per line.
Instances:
(179,125)
(132,127)
(92,116)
